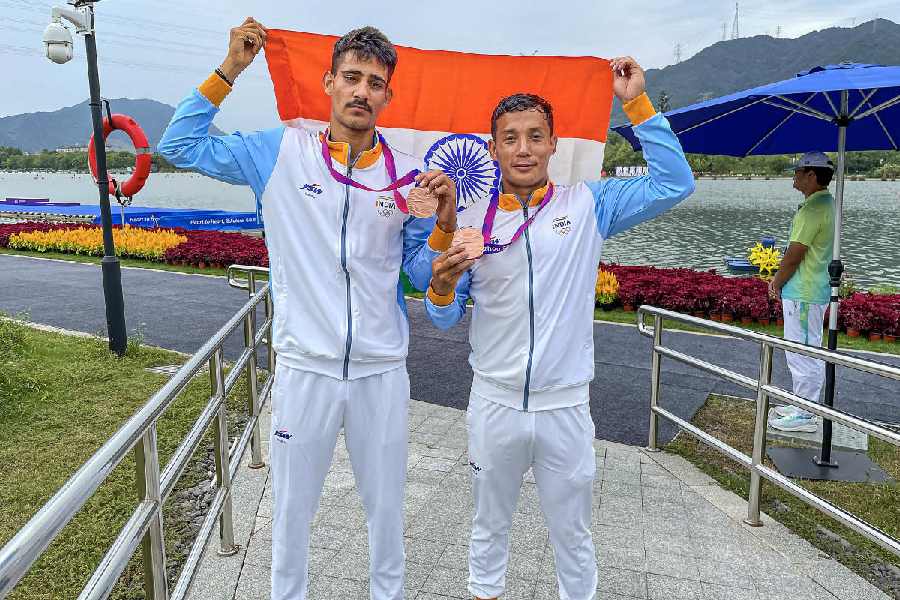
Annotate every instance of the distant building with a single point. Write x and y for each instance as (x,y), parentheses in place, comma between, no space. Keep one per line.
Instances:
(631,171)
(72,149)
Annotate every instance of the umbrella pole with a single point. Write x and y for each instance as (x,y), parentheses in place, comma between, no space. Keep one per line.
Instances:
(835,270)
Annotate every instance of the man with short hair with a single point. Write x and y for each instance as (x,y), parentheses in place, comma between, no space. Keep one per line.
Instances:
(532,324)
(804,286)
(337,239)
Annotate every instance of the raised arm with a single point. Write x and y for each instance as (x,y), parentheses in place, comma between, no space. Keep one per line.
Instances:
(623,203)
(239,158)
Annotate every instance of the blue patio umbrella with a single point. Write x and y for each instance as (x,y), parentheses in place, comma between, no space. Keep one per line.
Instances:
(833,108)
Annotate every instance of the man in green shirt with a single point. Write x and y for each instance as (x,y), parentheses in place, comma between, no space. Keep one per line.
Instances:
(802,283)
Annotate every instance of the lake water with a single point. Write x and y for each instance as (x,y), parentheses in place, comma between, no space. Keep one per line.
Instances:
(724,217)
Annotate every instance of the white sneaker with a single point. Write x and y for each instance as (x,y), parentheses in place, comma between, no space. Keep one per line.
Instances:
(785,410)
(796,422)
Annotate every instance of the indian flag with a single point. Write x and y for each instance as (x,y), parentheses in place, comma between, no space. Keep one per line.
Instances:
(443,101)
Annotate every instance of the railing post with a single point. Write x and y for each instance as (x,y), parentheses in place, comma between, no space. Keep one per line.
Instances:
(270,317)
(223,463)
(256,460)
(153,545)
(759,435)
(654,383)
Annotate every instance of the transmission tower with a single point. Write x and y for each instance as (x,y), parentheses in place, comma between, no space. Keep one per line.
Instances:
(724,31)
(778,31)
(735,26)
(677,53)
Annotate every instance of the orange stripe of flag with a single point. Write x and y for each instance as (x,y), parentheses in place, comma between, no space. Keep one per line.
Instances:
(438,90)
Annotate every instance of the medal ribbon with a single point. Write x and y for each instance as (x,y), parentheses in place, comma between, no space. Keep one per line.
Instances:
(487,228)
(389,165)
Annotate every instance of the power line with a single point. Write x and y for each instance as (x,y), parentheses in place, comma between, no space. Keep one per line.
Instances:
(131,40)
(143,24)
(32,51)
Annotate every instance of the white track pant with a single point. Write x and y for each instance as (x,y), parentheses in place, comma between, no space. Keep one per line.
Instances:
(308,411)
(558,446)
(803,323)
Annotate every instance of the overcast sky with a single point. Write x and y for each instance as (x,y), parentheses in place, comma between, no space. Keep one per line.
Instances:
(161,49)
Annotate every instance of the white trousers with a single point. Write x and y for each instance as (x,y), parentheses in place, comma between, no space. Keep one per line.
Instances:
(308,411)
(558,446)
(803,322)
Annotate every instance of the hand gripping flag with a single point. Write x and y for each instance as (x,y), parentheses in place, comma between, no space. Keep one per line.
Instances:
(443,101)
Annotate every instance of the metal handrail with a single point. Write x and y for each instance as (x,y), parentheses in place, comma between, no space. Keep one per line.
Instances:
(765,390)
(144,527)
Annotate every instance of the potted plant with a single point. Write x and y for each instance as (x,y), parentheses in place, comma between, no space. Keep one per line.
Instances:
(705,300)
(725,305)
(607,289)
(629,295)
(891,334)
(743,308)
(856,318)
(892,326)
(777,312)
(883,319)
(759,310)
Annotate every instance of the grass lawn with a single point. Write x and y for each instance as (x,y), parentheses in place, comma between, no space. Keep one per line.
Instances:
(731,420)
(61,398)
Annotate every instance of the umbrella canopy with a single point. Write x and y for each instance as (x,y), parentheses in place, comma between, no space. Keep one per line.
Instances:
(796,115)
(834,108)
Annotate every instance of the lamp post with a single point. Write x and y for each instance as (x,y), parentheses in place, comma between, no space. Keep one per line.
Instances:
(58,45)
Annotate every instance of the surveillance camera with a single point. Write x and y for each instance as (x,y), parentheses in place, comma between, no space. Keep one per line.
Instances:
(58,43)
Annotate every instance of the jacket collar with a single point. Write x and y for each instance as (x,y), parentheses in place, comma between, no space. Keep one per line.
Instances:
(510,202)
(340,151)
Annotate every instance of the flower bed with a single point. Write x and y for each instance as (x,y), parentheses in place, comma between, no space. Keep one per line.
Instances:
(695,292)
(873,313)
(175,246)
(9,229)
(725,298)
(215,248)
(130,242)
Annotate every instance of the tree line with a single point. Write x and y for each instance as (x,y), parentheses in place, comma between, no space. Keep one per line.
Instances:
(877,164)
(13,159)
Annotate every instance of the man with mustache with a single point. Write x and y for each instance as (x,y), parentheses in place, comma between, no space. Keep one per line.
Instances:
(335,251)
(532,324)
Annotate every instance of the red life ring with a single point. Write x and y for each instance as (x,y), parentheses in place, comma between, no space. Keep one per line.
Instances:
(142,157)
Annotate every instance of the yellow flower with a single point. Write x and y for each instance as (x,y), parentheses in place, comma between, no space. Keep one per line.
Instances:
(607,288)
(767,259)
(135,242)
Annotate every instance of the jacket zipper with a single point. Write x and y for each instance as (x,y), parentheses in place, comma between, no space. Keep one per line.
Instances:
(349,341)
(530,312)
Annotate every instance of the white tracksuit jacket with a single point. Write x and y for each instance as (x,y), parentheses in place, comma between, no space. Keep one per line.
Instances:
(335,251)
(532,322)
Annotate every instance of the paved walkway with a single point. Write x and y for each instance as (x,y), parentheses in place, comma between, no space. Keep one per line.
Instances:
(180,312)
(663,531)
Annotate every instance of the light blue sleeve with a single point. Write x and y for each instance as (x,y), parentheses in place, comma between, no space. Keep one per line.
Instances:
(239,158)
(623,203)
(417,254)
(445,317)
